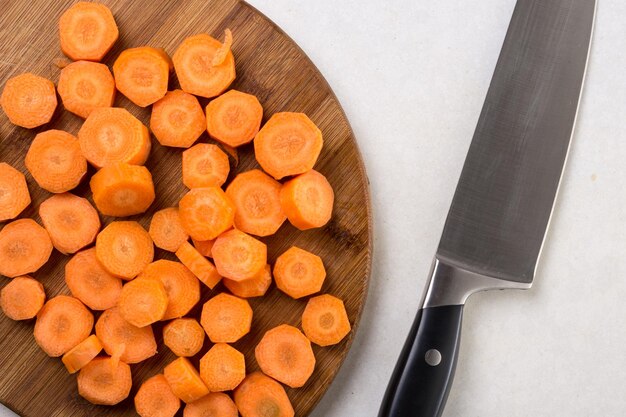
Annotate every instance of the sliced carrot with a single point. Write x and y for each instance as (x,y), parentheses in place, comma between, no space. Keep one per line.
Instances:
(257,201)
(222,368)
(215,404)
(196,73)
(62,323)
(71,222)
(55,161)
(307,200)
(122,190)
(299,273)
(239,256)
(226,318)
(201,267)
(90,282)
(116,356)
(166,229)
(81,354)
(206,212)
(100,382)
(184,337)
(28,100)
(325,321)
(85,86)
(111,135)
(285,354)
(142,74)
(24,248)
(288,144)
(181,286)
(177,119)
(143,302)
(156,399)
(124,249)
(234,118)
(254,287)
(138,344)
(260,396)
(222,53)
(14,195)
(204,247)
(232,152)
(22,298)
(87,31)
(185,380)
(205,165)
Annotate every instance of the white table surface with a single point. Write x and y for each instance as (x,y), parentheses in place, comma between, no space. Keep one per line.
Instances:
(411,76)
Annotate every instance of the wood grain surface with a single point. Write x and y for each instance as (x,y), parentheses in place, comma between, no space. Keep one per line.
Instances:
(270,66)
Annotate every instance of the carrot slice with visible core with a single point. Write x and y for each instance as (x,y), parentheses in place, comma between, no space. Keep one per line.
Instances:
(137,344)
(222,368)
(81,354)
(260,396)
(177,119)
(87,31)
(166,229)
(308,200)
(85,86)
(28,100)
(239,256)
(205,165)
(143,302)
(206,213)
(216,404)
(142,74)
(24,248)
(299,273)
(234,118)
(204,247)
(124,249)
(184,337)
(201,267)
(156,399)
(185,380)
(226,318)
(22,298)
(14,195)
(104,383)
(90,282)
(122,190)
(325,321)
(254,287)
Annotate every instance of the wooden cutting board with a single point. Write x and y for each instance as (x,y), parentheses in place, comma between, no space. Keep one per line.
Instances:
(270,66)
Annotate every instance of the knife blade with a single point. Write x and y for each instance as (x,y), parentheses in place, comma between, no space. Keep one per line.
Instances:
(505,196)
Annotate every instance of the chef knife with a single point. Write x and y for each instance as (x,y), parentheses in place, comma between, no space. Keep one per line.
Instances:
(501,209)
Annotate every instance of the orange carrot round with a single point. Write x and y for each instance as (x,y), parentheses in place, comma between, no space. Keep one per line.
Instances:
(14,195)
(124,249)
(87,31)
(133,344)
(83,353)
(215,404)
(185,380)
(177,119)
(259,393)
(325,321)
(90,282)
(181,286)
(257,201)
(200,266)
(205,165)
(101,382)
(307,200)
(226,318)
(184,337)
(206,213)
(288,144)
(28,100)
(166,229)
(156,399)
(22,298)
(234,118)
(204,247)
(24,248)
(222,368)
(142,74)
(299,273)
(62,323)
(239,256)
(71,222)
(143,302)
(55,161)
(285,354)
(254,287)
(85,86)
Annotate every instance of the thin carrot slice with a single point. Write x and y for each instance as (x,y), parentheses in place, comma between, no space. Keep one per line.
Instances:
(166,229)
(260,396)
(181,286)
(205,165)
(22,298)
(184,337)
(234,118)
(185,380)
(222,53)
(288,144)
(216,404)
(177,119)
(254,287)
(28,100)
(142,74)
(206,213)
(111,135)
(90,282)
(14,196)
(325,321)
(71,222)
(257,201)
(124,249)
(239,256)
(24,248)
(226,318)
(122,190)
(100,382)
(204,247)
(299,273)
(222,368)
(201,267)
(308,200)
(87,31)
(82,354)
(85,86)
(62,323)
(285,354)
(138,344)
(156,399)
(143,302)
(193,61)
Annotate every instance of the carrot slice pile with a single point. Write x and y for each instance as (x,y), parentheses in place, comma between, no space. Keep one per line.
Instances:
(177,119)
(215,404)
(181,286)
(142,74)
(259,395)
(166,229)
(22,298)
(239,256)
(14,195)
(156,399)
(234,118)
(28,100)
(83,353)
(206,213)
(222,368)
(299,273)
(85,86)
(132,344)
(87,31)
(143,301)
(124,249)
(253,287)
(184,337)
(201,267)
(104,382)
(24,248)
(185,380)
(226,318)
(90,282)
(307,200)
(205,165)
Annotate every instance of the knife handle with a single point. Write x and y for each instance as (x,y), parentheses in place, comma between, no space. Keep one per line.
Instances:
(423,375)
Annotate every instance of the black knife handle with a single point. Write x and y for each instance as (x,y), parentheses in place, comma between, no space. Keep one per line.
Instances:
(420,383)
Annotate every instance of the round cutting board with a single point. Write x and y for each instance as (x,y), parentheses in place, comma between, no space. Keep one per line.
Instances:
(270,66)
